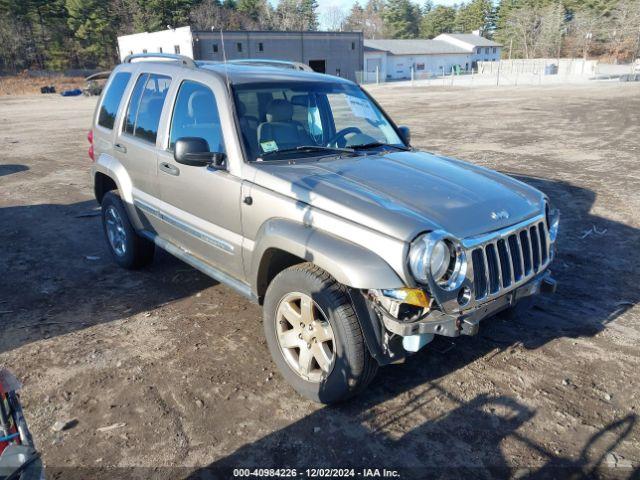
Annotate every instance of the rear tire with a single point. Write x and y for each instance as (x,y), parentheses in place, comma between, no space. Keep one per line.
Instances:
(127,248)
(351,367)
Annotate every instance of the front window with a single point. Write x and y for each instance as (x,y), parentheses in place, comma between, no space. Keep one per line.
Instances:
(302,119)
(196,115)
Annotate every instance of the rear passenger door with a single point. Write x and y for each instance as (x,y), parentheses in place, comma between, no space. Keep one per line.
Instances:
(135,143)
(200,205)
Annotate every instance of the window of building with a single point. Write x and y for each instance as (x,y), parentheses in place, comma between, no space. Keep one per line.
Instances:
(111,101)
(486,50)
(495,49)
(145,106)
(144,50)
(260,47)
(130,52)
(176,49)
(215,48)
(419,66)
(239,46)
(196,115)
(160,49)
(353,45)
(479,51)
(337,72)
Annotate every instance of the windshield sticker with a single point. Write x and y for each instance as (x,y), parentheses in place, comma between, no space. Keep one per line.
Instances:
(269,146)
(361,108)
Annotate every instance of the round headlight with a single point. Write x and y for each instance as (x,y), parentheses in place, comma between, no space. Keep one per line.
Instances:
(440,259)
(434,257)
(553,222)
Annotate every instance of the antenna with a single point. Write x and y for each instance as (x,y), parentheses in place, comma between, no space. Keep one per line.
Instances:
(224,59)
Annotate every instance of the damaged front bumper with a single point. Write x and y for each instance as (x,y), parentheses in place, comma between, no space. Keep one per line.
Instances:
(467,323)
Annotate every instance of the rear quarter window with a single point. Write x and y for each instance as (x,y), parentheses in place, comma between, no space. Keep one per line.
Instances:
(112,98)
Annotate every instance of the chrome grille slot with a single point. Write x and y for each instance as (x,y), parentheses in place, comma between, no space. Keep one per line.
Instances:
(526,251)
(505,262)
(535,247)
(494,268)
(543,242)
(516,256)
(479,273)
(507,259)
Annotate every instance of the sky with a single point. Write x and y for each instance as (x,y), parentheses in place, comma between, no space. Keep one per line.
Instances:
(345,5)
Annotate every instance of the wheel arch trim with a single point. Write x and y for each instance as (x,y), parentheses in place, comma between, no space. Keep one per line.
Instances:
(350,264)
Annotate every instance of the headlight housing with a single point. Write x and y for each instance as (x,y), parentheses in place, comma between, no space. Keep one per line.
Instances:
(552,217)
(435,257)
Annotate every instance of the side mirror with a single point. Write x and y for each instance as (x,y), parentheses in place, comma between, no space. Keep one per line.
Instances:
(194,151)
(405,133)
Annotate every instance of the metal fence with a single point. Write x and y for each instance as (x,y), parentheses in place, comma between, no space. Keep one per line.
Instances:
(541,71)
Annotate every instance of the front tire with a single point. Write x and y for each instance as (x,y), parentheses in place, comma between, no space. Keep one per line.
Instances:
(314,336)
(127,248)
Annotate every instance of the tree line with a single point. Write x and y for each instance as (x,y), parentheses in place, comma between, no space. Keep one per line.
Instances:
(526,28)
(63,34)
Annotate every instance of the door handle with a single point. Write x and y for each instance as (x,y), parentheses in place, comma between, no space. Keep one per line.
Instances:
(170,169)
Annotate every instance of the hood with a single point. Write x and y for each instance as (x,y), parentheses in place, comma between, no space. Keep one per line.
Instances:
(405,193)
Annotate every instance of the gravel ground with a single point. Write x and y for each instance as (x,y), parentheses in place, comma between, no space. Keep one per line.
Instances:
(176,364)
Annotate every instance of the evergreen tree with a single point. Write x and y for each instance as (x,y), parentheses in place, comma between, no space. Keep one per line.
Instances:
(401,18)
(439,20)
(91,22)
(477,15)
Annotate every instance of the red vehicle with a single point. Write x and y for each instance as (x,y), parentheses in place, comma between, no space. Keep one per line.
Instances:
(18,456)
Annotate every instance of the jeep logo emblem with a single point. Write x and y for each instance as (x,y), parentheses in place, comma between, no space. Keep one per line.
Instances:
(500,215)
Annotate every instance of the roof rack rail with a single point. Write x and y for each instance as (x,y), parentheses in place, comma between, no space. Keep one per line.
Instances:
(186,61)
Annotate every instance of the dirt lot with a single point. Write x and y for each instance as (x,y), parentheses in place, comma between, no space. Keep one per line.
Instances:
(181,361)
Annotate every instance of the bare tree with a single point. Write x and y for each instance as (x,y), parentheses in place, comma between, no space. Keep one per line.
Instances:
(523,27)
(334,18)
(586,28)
(623,33)
(367,19)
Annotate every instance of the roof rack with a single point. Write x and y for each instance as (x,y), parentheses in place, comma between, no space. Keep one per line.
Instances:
(186,61)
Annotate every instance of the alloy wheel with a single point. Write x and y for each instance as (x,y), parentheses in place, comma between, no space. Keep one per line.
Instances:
(115,231)
(305,337)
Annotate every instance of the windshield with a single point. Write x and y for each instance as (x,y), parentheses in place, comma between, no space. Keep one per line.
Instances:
(301,119)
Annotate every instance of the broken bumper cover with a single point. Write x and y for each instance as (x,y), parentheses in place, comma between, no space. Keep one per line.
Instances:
(467,323)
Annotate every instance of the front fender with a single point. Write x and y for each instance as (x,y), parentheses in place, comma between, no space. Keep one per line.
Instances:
(350,264)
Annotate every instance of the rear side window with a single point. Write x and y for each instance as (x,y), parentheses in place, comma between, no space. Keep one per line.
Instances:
(145,106)
(111,100)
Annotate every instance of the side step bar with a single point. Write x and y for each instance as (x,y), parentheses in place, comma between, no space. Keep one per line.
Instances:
(205,268)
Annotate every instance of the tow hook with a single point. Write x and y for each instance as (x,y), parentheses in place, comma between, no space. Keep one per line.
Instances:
(469,327)
(548,285)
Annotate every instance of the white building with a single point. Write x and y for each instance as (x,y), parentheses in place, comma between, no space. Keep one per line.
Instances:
(176,40)
(394,59)
(335,53)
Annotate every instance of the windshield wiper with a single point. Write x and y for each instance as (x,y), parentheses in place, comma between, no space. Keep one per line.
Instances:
(309,148)
(365,146)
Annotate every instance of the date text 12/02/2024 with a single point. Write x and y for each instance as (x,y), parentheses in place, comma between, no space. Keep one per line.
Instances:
(316,473)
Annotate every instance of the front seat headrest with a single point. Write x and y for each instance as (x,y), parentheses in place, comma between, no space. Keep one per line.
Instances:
(201,107)
(279,110)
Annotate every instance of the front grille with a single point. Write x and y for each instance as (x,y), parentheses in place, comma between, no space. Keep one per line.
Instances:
(509,260)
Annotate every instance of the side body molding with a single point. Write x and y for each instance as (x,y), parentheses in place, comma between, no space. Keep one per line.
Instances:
(350,264)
